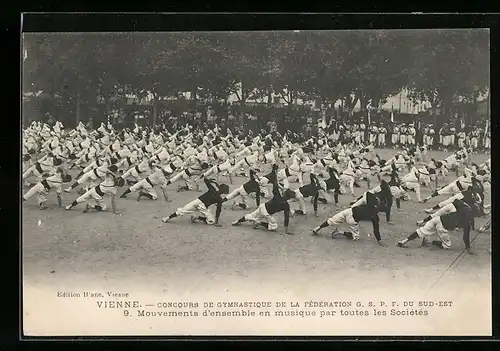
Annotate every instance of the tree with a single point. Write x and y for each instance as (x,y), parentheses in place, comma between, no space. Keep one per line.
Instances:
(363,67)
(449,65)
(75,67)
(373,66)
(248,63)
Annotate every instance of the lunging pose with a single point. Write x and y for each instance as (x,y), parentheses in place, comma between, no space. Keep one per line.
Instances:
(263,215)
(352,216)
(462,218)
(201,204)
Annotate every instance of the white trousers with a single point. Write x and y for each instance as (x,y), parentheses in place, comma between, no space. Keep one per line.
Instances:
(196,206)
(187,179)
(143,185)
(245,197)
(346,217)
(300,199)
(395,138)
(37,189)
(435,227)
(261,215)
(92,195)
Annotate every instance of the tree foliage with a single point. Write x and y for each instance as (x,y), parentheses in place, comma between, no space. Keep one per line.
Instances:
(448,65)
(439,66)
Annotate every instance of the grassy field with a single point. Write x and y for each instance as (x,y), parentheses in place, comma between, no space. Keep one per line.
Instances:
(131,251)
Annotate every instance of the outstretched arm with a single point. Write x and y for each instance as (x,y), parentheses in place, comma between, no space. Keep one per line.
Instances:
(466,238)
(252,175)
(210,183)
(113,204)
(218,212)
(331,172)
(164,191)
(313,178)
(376,227)
(286,213)
(388,208)
(351,186)
(276,188)
(315,204)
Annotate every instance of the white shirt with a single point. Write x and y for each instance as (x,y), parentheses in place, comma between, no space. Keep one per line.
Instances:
(55,182)
(158,178)
(108,185)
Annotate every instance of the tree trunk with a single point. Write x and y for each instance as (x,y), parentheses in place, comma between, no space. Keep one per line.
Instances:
(446,102)
(106,111)
(242,106)
(351,102)
(331,113)
(473,112)
(434,119)
(362,102)
(155,110)
(488,107)
(155,102)
(342,110)
(375,103)
(194,97)
(364,113)
(77,108)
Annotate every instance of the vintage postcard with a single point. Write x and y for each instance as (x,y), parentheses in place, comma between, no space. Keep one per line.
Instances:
(333,183)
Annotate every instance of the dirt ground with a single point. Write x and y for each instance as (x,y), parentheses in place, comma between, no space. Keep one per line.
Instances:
(102,249)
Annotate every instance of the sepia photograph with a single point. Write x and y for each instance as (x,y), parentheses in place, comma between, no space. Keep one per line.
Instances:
(256,183)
